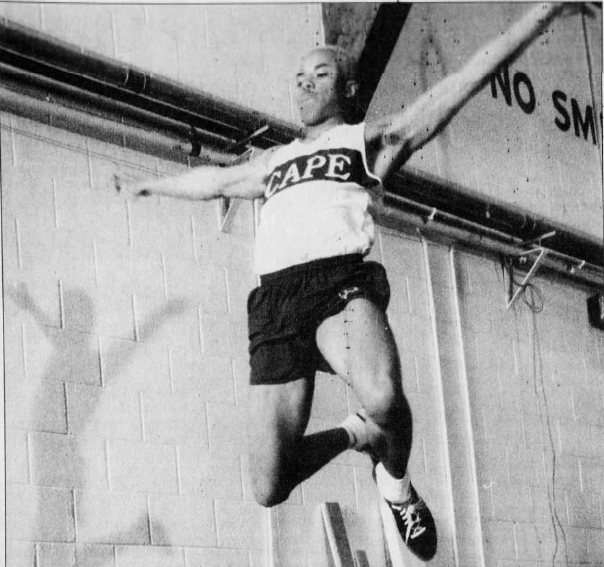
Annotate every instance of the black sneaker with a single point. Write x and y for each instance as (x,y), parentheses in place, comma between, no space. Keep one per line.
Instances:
(416,526)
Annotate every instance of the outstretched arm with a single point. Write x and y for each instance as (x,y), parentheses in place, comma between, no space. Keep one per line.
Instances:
(392,140)
(245,180)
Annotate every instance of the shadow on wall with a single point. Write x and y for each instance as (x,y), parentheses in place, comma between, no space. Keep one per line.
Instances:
(73,462)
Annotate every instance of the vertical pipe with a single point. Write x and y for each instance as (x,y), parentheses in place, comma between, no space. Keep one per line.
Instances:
(463,378)
(441,400)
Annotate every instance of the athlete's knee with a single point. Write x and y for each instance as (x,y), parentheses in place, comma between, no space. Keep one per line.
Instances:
(267,493)
(386,405)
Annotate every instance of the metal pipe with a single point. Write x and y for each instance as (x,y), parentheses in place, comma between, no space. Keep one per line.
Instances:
(44,88)
(131,137)
(35,51)
(461,203)
(437,230)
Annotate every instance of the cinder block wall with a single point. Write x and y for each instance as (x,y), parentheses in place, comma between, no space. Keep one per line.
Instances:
(537,401)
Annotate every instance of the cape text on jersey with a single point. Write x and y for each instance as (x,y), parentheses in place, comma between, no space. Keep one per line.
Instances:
(343,165)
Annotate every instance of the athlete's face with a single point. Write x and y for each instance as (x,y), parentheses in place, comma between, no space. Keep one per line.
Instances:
(317,88)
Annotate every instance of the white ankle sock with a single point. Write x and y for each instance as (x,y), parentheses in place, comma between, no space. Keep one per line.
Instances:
(395,490)
(357,431)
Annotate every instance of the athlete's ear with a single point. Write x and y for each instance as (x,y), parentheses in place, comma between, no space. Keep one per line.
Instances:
(351,88)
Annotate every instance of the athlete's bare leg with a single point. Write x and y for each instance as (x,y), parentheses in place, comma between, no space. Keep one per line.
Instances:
(281,457)
(360,347)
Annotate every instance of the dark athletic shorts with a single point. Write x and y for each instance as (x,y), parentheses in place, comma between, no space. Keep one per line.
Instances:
(285,311)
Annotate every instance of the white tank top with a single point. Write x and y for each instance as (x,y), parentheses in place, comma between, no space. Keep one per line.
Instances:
(320,198)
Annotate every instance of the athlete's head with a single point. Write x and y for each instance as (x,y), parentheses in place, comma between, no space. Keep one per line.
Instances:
(326,85)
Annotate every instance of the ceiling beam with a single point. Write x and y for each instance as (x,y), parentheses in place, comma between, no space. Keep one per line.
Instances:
(379,45)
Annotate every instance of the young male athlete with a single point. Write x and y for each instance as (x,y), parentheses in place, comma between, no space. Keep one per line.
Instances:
(319,306)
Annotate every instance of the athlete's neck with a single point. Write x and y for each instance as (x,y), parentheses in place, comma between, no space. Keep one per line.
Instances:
(314,131)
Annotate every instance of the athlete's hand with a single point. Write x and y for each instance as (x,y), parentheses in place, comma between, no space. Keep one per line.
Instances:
(129,186)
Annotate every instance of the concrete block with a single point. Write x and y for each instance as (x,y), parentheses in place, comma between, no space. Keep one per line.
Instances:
(211,474)
(146,556)
(567,474)
(525,466)
(27,14)
(403,255)
(172,324)
(596,442)
(227,428)
(218,557)
(576,543)
(534,542)
(367,493)
(204,286)
(11,247)
(583,509)
(35,296)
(20,553)
(114,314)
(592,475)
(573,437)
(300,535)
(174,420)
(239,335)
(67,254)
(61,355)
(208,378)
(240,525)
(39,513)
(34,404)
(498,540)
(251,92)
(16,456)
(67,462)
(332,483)
(239,284)
(134,366)
(595,545)
(113,518)
(177,20)
(29,198)
(101,214)
(203,69)
(87,25)
(221,248)
(110,412)
(134,467)
(418,298)
(152,231)
(491,463)
(186,521)
(501,428)
(216,336)
(54,555)
(511,503)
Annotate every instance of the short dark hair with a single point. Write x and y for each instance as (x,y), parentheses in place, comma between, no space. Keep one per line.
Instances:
(347,63)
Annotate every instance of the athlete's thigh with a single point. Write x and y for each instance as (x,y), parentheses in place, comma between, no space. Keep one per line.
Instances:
(359,346)
(278,416)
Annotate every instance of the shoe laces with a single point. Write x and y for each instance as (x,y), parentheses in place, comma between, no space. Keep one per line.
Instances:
(411,518)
